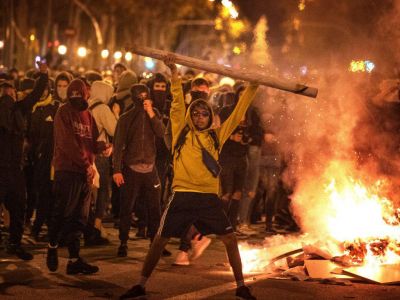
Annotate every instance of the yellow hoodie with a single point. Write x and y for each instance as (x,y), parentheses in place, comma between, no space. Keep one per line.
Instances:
(190,173)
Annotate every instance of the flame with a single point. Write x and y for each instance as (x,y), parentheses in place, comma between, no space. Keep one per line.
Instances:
(254,259)
(353,215)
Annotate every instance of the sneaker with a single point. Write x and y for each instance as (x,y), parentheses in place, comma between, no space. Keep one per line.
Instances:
(198,246)
(166,253)
(244,293)
(81,267)
(96,239)
(246,229)
(52,259)
(182,259)
(141,233)
(240,234)
(122,250)
(19,252)
(136,292)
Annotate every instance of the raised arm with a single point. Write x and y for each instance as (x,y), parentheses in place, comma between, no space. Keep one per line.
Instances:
(233,120)
(30,100)
(178,108)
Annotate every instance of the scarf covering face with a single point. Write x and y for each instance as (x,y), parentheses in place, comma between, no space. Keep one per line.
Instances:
(78,94)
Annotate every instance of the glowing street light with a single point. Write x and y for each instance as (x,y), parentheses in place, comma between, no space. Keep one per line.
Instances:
(369,66)
(105,53)
(32,37)
(82,52)
(62,49)
(128,56)
(117,55)
(231,8)
(1,44)
(149,63)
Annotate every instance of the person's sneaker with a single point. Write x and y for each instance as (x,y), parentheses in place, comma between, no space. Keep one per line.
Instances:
(244,293)
(166,253)
(96,239)
(122,250)
(136,292)
(198,246)
(81,267)
(52,259)
(182,259)
(246,229)
(241,235)
(19,252)
(141,233)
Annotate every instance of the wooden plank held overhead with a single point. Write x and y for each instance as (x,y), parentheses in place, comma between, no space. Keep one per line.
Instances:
(228,71)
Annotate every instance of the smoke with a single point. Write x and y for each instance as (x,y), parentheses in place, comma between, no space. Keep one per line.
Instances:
(388,29)
(347,133)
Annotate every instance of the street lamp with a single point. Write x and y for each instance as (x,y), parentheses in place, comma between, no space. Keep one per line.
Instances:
(62,49)
(1,44)
(82,51)
(105,53)
(128,56)
(117,55)
(149,63)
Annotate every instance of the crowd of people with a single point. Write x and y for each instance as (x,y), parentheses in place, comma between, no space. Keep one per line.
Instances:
(175,155)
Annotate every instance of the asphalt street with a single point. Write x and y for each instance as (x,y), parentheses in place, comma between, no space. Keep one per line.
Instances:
(209,277)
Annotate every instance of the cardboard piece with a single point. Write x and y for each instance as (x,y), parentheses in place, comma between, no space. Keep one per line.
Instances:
(322,269)
(383,274)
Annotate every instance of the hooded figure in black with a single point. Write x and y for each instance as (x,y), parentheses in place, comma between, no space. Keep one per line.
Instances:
(13,119)
(41,139)
(134,161)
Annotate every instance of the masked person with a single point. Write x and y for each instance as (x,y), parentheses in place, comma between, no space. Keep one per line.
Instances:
(61,84)
(41,139)
(134,162)
(196,184)
(13,119)
(75,146)
(100,94)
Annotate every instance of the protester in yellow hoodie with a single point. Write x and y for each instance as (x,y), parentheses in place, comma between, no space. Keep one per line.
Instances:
(195,184)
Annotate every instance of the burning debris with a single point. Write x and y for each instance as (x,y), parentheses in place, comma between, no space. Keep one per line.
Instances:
(359,228)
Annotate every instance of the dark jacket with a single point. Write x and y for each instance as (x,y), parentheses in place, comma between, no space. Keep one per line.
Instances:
(75,140)
(41,139)
(134,140)
(13,120)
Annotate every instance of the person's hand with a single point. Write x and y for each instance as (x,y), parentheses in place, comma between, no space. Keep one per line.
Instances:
(90,173)
(148,107)
(237,137)
(169,61)
(108,151)
(269,138)
(118,179)
(42,67)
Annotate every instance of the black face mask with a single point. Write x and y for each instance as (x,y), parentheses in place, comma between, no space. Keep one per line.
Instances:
(159,98)
(79,103)
(198,95)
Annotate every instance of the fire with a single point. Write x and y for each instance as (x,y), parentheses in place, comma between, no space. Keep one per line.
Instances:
(364,222)
(254,259)
(350,216)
